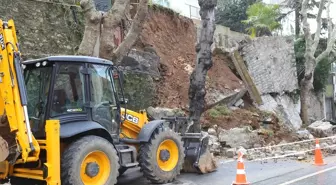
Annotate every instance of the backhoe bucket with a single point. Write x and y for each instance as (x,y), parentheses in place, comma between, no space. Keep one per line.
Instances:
(7,141)
(198,158)
(4,150)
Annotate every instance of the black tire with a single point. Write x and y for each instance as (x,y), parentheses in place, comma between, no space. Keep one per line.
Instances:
(74,155)
(148,157)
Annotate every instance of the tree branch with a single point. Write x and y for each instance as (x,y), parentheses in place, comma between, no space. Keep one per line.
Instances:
(319,26)
(330,45)
(330,23)
(134,31)
(309,54)
(92,27)
(112,20)
(331,37)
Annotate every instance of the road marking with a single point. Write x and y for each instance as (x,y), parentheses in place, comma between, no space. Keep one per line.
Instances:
(307,176)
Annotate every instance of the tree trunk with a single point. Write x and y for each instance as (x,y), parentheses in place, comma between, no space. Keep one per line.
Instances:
(92,28)
(304,96)
(111,22)
(100,29)
(203,64)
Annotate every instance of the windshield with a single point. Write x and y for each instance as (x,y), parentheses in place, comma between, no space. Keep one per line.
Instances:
(37,84)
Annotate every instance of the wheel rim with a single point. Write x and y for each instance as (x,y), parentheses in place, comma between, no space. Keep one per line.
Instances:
(95,168)
(167,155)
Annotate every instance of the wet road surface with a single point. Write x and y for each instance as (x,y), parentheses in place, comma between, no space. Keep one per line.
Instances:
(282,172)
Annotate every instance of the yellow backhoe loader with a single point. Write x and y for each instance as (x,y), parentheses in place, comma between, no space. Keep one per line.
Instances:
(63,120)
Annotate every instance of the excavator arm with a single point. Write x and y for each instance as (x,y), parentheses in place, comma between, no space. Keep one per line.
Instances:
(13,98)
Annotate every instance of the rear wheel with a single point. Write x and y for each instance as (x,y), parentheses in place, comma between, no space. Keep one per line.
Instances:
(90,160)
(162,157)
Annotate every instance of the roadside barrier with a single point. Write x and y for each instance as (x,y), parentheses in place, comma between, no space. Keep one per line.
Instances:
(318,158)
(288,144)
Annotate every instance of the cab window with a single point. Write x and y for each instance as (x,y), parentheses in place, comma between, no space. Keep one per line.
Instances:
(68,90)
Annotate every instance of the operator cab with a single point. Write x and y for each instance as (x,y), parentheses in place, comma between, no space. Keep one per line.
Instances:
(73,89)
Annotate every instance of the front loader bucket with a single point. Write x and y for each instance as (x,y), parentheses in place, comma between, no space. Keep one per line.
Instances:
(198,158)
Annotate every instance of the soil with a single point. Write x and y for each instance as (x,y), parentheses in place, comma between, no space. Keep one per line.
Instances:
(237,118)
(254,118)
(174,38)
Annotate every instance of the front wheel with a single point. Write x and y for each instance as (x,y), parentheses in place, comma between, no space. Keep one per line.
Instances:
(90,160)
(161,159)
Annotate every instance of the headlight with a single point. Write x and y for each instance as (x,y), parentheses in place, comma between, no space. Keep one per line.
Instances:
(44,63)
(38,64)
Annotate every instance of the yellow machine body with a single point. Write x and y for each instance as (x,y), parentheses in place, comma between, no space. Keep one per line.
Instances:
(11,106)
(133,123)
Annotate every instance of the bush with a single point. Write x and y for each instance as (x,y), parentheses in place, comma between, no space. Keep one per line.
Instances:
(219,110)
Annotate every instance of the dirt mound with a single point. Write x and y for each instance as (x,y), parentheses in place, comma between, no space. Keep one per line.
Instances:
(227,119)
(267,124)
(174,37)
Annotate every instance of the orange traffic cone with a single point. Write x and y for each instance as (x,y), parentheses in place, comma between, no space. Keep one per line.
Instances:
(318,155)
(241,176)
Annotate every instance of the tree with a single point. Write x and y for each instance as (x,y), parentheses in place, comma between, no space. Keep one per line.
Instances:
(203,63)
(197,81)
(230,13)
(100,27)
(311,61)
(262,19)
(296,6)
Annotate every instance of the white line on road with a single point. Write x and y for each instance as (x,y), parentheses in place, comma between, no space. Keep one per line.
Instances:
(307,176)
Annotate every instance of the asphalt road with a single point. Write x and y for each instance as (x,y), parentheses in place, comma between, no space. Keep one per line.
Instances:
(282,172)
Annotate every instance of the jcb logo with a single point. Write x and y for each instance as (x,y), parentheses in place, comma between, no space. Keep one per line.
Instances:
(2,42)
(131,118)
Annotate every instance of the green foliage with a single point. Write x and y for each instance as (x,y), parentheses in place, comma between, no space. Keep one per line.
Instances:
(230,13)
(219,110)
(262,19)
(322,70)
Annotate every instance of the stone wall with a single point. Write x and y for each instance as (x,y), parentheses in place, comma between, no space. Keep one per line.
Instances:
(223,36)
(53,28)
(44,28)
(271,63)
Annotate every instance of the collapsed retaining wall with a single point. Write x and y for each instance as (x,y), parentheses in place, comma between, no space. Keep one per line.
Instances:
(271,64)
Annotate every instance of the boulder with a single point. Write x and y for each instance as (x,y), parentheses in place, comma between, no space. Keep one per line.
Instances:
(230,152)
(239,137)
(212,131)
(304,134)
(160,112)
(321,129)
(214,145)
(141,61)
